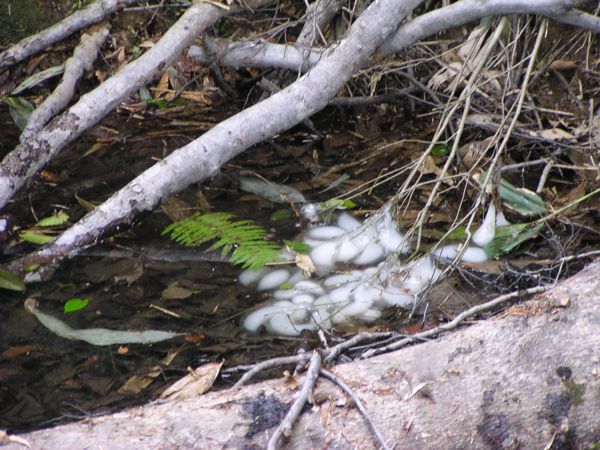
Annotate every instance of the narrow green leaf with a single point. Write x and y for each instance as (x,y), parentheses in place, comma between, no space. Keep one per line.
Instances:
(55,220)
(75,304)
(522,200)
(36,238)
(20,110)
(10,281)
(280,214)
(337,203)
(38,78)
(509,237)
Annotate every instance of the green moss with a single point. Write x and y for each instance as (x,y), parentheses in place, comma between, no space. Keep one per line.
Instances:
(576,391)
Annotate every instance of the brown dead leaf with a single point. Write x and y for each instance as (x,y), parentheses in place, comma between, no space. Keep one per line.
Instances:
(290,381)
(128,270)
(49,176)
(562,65)
(472,152)
(196,383)
(176,209)
(197,97)
(134,271)
(176,292)
(195,338)
(18,350)
(87,205)
(306,264)
(555,134)
(138,383)
(430,167)
(162,87)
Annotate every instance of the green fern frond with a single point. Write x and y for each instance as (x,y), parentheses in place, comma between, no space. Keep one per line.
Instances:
(243,239)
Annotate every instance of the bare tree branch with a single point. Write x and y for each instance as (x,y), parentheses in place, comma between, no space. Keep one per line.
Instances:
(466,11)
(262,54)
(29,157)
(202,158)
(285,427)
(75,22)
(83,57)
(258,53)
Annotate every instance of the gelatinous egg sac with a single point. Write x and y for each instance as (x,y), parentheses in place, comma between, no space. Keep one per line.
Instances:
(351,283)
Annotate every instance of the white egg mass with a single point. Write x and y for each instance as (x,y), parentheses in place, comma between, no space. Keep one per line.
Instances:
(341,293)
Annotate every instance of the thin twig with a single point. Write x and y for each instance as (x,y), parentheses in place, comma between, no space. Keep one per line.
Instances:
(328,355)
(455,322)
(361,408)
(337,350)
(268,364)
(285,427)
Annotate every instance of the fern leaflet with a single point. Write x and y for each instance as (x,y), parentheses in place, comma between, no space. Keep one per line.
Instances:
(243,239)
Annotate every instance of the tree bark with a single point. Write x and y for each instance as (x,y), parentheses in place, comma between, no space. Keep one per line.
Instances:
(526,380)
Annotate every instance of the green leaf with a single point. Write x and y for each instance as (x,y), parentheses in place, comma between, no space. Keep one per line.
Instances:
(457,234)
(298,247)
(440,150)
(20,110)
(55,220)
(509,237)
(10,281)
(244,240)
(280,214)
(36,238)
(32,267)
(338,203)
(75,304)
(524,201)
(38,78)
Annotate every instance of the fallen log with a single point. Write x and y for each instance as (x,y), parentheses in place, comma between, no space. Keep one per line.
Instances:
(528,379)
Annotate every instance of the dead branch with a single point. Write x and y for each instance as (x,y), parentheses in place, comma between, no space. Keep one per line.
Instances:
(466,11)
(95,12)
(29,157)
(202,158)
(83,57)
(285,427)
(262,54)
(258,53)
(318,15)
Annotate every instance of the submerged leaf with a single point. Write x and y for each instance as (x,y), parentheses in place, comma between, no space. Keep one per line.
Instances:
(10,281)
(38,78)
(97,336)
(276,193)
(20,110)
(75,304)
